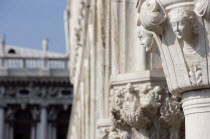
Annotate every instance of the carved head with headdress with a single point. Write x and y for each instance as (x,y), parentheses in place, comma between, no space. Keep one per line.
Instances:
(146,39)
(183,22)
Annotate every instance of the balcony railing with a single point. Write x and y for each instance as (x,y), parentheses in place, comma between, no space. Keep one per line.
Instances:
(34,66)
(33,63)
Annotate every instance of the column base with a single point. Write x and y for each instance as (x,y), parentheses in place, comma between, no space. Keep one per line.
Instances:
(196,107)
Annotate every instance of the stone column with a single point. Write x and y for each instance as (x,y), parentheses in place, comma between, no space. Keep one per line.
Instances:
(11,133)
(196,106)
(49,131)
(54,132)
(43,123)
(1,122)
(33,132)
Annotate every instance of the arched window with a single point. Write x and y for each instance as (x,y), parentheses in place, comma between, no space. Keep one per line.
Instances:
(22,125)
(11,51)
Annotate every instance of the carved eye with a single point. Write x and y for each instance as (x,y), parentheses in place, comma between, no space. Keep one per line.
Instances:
(181,23)
(140,37)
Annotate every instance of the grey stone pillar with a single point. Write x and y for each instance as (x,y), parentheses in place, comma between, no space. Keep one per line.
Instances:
(49,135)
(51,131)
(1,122)
(11,132)
(43,123)
(33,132)
(54,131)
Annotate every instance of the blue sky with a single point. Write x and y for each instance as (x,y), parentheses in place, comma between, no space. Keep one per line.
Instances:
(26,22)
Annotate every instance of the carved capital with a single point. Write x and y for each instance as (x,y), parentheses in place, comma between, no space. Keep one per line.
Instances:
(180,30)
(126,108)
(146,112)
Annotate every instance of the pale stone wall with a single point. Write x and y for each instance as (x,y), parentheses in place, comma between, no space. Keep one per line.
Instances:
(136,65)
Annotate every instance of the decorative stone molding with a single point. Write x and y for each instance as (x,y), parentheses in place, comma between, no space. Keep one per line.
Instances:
(79,30)
(146,111)
(35,92)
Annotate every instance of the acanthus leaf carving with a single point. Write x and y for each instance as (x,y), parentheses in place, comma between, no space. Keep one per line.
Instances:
(195,75)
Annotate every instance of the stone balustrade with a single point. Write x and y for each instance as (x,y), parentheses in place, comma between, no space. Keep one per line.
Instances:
(16,65)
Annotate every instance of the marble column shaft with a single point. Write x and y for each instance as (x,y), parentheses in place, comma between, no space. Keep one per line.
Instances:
(43,124)
(1,122)
(196,106)
(33,132)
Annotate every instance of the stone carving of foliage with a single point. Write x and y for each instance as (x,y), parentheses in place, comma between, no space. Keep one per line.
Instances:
(116,106)
(172,114)
(112,133)
(103,133)
(150,113)
(195,75)
(171,110)
(150,99)
(126,109)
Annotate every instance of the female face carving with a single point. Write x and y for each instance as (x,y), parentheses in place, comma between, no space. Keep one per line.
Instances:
(181,26)
(182,21)
(146,40)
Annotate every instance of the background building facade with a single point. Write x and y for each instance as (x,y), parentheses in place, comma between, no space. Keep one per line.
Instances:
(122,92)
(35,93)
